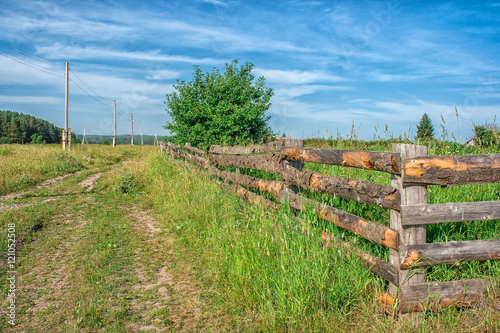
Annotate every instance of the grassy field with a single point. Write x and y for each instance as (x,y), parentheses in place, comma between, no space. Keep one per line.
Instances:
(157,245)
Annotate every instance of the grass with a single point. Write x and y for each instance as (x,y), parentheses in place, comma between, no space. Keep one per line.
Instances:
(275,279)
(94,265)
(443,232)
(22,166)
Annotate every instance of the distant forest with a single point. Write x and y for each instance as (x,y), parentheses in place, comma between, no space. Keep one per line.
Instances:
(17,127)
(22,128)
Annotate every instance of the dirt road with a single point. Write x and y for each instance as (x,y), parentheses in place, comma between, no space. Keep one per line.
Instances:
(91,258)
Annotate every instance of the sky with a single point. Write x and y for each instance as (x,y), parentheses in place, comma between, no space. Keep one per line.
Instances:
(338,68)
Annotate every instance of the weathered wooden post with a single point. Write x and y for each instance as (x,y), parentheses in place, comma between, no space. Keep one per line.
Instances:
(408,234)
(299,165)
(295,143)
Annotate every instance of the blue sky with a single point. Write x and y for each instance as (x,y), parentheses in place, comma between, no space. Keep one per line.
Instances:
(332,64)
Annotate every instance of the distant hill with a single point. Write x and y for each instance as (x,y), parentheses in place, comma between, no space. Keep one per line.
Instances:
(17,127)
(120,139)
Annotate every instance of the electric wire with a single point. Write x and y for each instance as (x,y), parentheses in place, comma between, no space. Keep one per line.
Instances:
(25,64)
(26,54)
(89,94)
(86,85)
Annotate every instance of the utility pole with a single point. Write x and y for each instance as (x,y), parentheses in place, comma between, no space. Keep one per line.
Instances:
(66,135)
(83,139)
(140,128)
(156,139)
(132,118)
(114,138)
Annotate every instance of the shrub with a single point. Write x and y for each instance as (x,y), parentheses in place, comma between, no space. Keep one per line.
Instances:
(219,109)
(127,184)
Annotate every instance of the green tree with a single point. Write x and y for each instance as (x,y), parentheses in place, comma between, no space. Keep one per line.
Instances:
(19,128)
(217,108)
(425,130)
(15,129)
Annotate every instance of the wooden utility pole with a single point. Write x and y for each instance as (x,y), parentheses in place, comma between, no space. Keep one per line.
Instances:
(114,138)
(140,128)
(66,137)
(132,118)
(156,138)
(84,138)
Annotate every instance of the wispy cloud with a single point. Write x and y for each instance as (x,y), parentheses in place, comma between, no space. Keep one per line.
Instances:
(302,90)
(31,99)
(296,76)
(215,2)
(58,51)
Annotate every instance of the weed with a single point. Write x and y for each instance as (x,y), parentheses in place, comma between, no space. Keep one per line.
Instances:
(128,183)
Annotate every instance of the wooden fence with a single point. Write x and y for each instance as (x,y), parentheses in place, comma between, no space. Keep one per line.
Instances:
(411,171)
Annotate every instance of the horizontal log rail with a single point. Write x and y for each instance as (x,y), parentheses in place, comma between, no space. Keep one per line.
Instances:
(369,160)
(427,254)
(271,186)
(372,231)
(441,295)
(194,149)
(450,212)
(452,170)
(255,198)
(362,191)
(266,162)
(173,146)
(375,265)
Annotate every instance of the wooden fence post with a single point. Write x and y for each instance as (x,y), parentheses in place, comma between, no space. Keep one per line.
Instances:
(299,165)
(295,143)
(408,235)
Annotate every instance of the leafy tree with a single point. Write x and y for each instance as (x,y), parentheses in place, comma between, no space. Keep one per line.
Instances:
(217,108)
(425,130)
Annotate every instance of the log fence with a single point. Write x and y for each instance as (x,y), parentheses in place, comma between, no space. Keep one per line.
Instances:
(405,236)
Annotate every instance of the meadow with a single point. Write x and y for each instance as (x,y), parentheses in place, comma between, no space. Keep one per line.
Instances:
(253,270)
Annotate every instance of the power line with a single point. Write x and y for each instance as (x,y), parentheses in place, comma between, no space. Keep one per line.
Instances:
(26,54)
(24,62)
(21,51)
(98,101)
(86,85)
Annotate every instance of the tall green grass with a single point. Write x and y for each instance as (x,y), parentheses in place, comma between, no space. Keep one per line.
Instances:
(270,277)
(22,166)
(442,232)
(265,270)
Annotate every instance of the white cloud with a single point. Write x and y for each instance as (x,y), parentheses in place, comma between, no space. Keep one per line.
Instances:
(31,99)
(296,91)
(25,73)
(215,2)
(162,75)
(295,76)
(384,77)
(58,51)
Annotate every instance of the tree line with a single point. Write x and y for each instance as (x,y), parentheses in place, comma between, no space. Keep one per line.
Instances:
(22,128)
